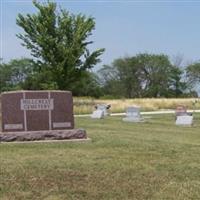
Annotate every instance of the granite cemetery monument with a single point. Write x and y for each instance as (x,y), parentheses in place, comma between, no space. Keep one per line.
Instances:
(101,111)
(97,114)
(133,114)
(38,115)
(104,108)
(182,116)
(181,110)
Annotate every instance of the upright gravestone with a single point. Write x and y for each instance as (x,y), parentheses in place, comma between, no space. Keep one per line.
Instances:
(104,108)
(101,111)
(133,114)
(97,114)
(183,117)
(181,110)
(39,113)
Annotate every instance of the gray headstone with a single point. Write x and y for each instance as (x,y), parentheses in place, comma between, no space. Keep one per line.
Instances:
(133,114)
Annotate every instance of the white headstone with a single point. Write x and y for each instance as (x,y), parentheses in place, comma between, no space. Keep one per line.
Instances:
(97,114)
(104,108)
(184,120)
(133,115)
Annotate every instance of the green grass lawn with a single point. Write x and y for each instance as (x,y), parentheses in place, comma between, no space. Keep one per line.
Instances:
(155,160)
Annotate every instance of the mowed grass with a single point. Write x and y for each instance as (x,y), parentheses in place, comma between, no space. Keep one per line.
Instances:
(155,160)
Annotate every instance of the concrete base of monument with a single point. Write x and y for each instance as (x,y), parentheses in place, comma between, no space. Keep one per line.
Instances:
(52,135)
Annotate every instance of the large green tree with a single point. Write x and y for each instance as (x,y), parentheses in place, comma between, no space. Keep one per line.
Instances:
(143,75)
(121,78)
(160,78)
(59,43)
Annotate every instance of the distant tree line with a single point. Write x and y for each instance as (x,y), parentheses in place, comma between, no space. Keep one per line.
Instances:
(149,75)
(58,42)
(143,75)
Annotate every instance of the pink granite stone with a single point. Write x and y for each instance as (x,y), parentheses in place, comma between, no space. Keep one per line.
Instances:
(181,110)
(37,111)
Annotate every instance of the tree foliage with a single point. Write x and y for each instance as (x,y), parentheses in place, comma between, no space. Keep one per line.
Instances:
(143,75)
(193,73)
(159,77)
(59,43)
(14,74)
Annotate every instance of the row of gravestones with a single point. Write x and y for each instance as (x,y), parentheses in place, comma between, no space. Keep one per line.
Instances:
(27,113)
(133,114)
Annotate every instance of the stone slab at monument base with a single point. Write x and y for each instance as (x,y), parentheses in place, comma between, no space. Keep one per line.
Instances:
(43,135)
